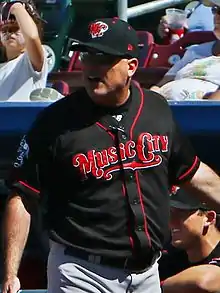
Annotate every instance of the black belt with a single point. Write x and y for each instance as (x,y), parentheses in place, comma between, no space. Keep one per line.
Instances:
(130,264)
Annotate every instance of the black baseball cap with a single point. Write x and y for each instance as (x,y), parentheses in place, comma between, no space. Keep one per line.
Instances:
(111,36)
(181,199)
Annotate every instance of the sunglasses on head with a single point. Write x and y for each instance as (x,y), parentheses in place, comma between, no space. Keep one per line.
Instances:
(216,10)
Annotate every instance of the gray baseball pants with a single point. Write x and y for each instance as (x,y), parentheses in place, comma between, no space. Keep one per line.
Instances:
(68,274)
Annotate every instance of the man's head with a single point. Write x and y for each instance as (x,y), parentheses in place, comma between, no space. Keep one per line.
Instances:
(109,55)
(190,220)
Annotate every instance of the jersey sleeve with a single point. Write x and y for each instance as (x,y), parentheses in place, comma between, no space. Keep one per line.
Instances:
(183,162)
(30,161)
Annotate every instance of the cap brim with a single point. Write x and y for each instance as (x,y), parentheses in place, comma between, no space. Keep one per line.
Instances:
(182,206)
(88,46)
(85,47)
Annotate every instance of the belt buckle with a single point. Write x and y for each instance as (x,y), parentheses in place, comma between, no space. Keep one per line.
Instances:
(95,259)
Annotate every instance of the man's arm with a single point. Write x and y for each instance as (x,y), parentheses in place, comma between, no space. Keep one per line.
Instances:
(198,279)
(31,36)
(206,185)
(16,225)
(166,79)
(212,96)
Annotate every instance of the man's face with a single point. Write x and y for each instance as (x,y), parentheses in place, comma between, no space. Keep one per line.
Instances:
(105,75)
(186,227)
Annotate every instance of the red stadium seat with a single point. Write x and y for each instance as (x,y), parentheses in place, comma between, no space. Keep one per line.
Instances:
(146,40)
(61,86)
(167,55)
(75,63)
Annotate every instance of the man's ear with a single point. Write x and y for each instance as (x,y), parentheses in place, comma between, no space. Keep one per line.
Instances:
(132,66)
(210,218)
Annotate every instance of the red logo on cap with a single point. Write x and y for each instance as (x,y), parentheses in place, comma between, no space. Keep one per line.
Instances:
(130,47)
(174,189)
(98,29)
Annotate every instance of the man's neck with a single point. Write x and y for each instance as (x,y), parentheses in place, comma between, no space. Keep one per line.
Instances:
(201,251)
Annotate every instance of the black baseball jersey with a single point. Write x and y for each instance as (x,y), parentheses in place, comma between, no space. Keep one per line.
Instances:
(174,261)
(104,173)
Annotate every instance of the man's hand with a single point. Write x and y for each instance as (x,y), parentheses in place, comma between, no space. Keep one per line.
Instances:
(163,29)
(6,10)
(11,285)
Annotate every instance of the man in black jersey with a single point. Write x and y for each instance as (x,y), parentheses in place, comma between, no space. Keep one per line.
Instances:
(101,161)
(194,230)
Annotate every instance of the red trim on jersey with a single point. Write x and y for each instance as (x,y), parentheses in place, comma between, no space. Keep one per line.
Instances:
(136,173)
(107,130)
(139,110)
(29,187)
(129,227)
(190,169)
(142,206)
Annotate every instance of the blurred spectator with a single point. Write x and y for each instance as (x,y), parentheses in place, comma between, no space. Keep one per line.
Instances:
(200,18)
(197,73)
(25,66)
(194,229)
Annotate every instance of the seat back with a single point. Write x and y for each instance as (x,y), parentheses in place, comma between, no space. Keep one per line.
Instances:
(61,86)
(168,55)
(146,40)
(75,63)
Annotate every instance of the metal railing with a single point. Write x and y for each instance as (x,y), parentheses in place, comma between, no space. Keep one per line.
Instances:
(124,12)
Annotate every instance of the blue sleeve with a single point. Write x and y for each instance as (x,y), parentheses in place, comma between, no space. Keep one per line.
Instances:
(201,19)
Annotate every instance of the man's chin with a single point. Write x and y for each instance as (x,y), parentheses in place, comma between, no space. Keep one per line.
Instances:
(177,243)
(96,92)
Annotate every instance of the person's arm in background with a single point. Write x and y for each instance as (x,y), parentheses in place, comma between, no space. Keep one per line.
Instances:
(201,19)
(187,171)
(198,279)
(187,58)
(205,184)
(24,185)
(215,96)
(30,32)
(167,78)
(16,227)
(163,29)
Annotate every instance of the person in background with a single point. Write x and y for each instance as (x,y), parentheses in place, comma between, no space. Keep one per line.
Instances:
(194,230)
(25,65)
(195,76)
(200,18)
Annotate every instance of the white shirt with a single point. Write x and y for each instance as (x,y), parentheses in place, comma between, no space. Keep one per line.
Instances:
(18,78)
(196,74)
